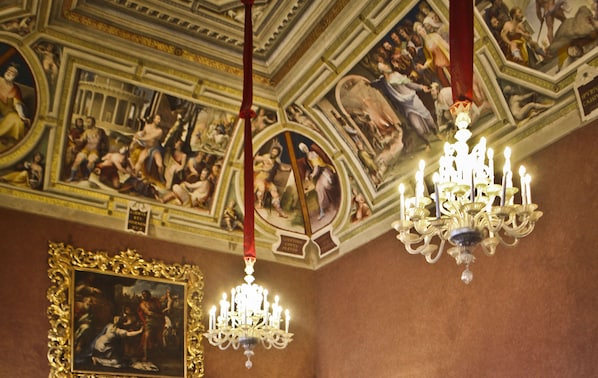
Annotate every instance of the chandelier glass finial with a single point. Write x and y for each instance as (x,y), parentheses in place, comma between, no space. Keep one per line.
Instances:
(470,209)
(248,318)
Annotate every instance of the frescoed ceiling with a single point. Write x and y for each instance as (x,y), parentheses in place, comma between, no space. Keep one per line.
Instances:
(331,141)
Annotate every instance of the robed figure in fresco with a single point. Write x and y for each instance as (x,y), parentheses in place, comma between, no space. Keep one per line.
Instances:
(12,111)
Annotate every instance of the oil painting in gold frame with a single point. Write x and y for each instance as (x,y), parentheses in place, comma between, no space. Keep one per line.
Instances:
(123,316)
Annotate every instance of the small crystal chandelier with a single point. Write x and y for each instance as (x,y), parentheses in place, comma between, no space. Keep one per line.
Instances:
(249,318)
(470,208)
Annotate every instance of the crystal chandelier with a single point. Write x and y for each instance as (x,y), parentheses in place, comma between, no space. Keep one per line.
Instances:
(248,319)
(470,209)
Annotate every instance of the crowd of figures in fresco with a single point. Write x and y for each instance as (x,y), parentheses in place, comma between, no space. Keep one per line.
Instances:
(124,324)
(172,153)
(395,102)
(155,162)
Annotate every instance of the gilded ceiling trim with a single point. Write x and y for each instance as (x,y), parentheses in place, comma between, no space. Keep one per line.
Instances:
(155,44)
(307,42)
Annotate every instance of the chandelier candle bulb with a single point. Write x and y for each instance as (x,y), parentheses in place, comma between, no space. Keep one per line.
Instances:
(435,178)
(419,182)
(528,192)
(402,201)
(265,298)
(503,194)
(212,317)
(522,181)
(287,320)
(472,185)
(490,154)
(507,166)
(223,306)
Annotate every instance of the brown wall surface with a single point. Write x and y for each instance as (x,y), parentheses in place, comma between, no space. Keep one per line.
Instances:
(24,282)
(531,311)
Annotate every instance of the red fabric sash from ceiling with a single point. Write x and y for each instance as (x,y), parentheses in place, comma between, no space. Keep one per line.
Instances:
(247,113)
(461,48)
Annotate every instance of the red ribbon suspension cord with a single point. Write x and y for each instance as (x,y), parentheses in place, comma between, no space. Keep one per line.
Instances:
(461,49)
(247,113)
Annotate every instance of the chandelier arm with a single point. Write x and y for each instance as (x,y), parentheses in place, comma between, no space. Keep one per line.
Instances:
(222,341)
(433,260)
(490,251)
(409,240)
(523,230)
(519,230)
(502,237)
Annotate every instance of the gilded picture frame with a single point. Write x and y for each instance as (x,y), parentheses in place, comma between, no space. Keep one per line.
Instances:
(122,315)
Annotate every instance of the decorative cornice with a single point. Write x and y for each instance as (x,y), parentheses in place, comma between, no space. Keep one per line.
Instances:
(154,43)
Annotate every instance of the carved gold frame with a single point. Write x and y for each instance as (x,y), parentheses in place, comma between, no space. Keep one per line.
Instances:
(65,259)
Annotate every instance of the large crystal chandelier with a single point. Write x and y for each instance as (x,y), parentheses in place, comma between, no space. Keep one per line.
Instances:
(248,319)
(470,209)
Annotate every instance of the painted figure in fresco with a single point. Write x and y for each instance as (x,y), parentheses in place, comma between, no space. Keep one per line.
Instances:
(437,54)
(176,160)
(30,174)
(92,144)
(500,11)
(230,218)
(112,166)
(74,134)
(321,176)
(49,56)
(261,120)
(196,194)
(296,114)
(361,209)
(13,120)
(401,92)
(266,166)
(432,22)
(575,36)
(523,49)
(443,100)
(108,347)
(368,159)
(21,26)
(548,11)
(149,139)
(524,105)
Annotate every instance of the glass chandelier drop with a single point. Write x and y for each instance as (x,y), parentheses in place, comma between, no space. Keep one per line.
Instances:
(470,209)
(248,319)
